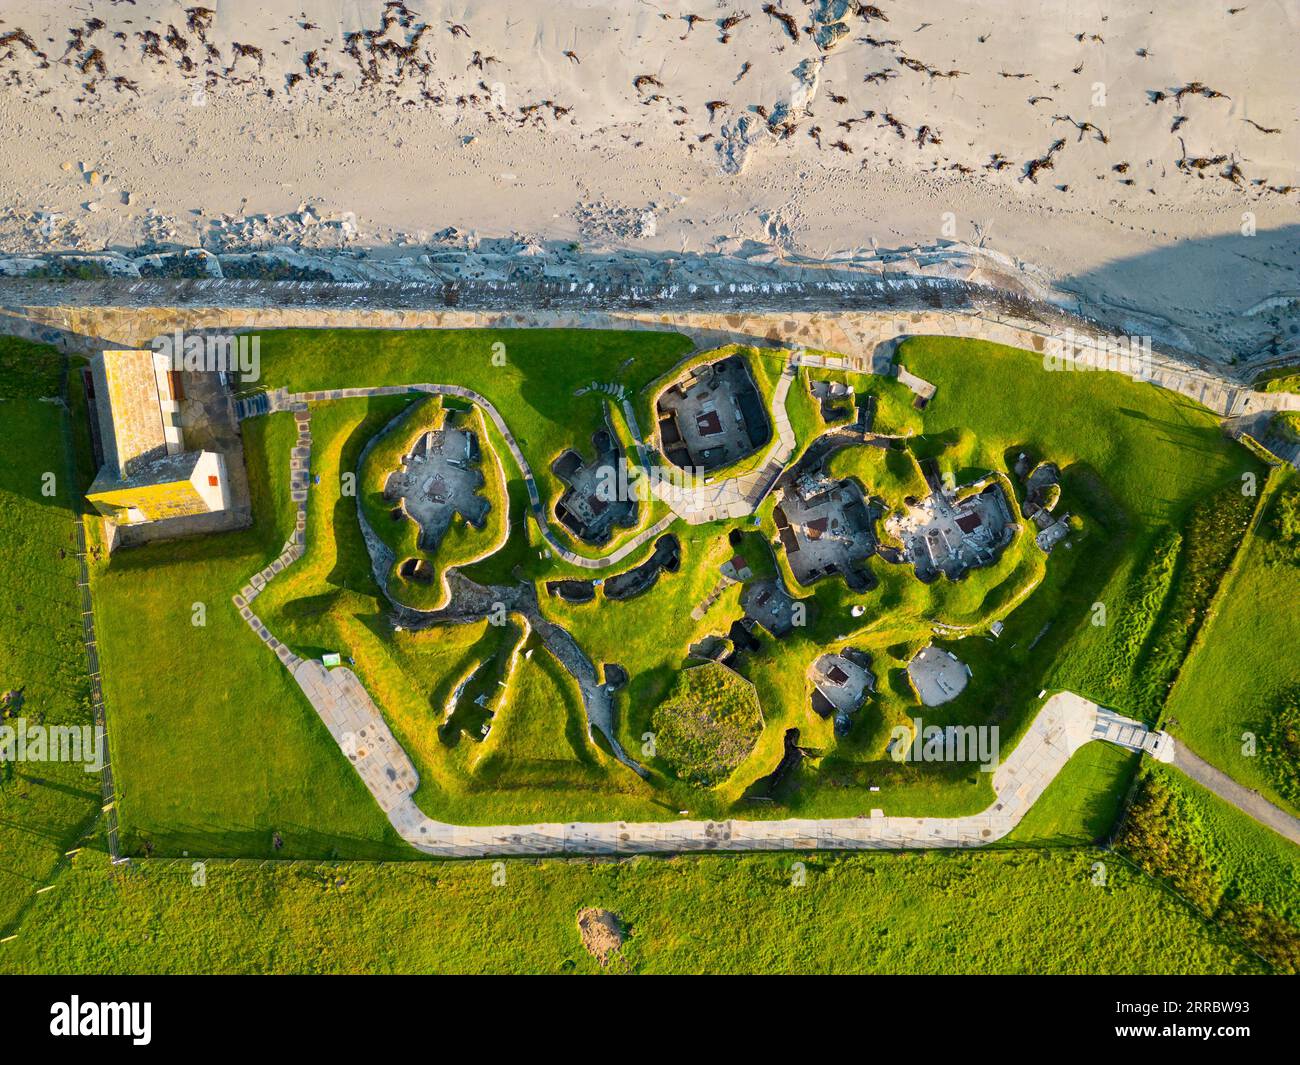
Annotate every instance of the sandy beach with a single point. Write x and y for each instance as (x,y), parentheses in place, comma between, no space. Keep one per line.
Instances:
(1132,160)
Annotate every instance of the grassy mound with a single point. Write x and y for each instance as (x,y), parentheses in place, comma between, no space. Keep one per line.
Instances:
(462,543)
(896,412)
(708,724)
(891,474)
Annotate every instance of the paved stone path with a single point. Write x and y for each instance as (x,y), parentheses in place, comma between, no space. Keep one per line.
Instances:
(1248,802)
(1064,724)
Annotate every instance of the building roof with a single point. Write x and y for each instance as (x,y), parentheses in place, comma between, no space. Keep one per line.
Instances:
(969,522)
(166,469)
(128,409)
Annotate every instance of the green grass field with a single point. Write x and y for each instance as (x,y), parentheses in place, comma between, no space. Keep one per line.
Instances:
(1237,873)
(1150,473)
(531,375)
(218,756)
(996,912)
(1244,665)
(1081,805)
(45,807)
(328,601)
(1136,463)
(214,748)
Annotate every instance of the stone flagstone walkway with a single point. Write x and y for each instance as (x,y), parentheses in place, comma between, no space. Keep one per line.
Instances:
(1065,723)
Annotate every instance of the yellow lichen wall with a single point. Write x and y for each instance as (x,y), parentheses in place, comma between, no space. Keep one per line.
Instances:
(172,499)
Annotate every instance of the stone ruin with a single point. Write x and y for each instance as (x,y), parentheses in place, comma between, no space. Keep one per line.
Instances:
(440,478)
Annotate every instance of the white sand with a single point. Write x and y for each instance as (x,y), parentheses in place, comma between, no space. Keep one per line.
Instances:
(561,149)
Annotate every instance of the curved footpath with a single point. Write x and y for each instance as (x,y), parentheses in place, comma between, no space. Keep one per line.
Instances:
(1065,723)
(1248,802)
(1062,726)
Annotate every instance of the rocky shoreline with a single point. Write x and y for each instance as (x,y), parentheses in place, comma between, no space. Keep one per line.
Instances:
(514,275)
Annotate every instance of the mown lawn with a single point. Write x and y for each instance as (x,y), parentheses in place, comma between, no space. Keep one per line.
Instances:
(45,807)
(1135,460)
(217,753)
(1149,471)
(530,375)
(215,750)
(1081,805)
(536,763)
(994,912)
(539,736)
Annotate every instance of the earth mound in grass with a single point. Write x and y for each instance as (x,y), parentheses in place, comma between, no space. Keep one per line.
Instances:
(602,935)
(708,724)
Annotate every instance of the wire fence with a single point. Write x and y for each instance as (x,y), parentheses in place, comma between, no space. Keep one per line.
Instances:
(107,792)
